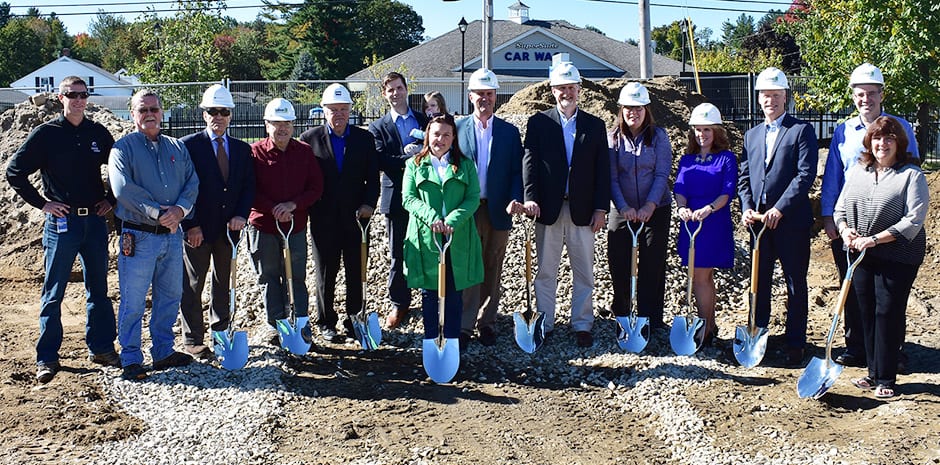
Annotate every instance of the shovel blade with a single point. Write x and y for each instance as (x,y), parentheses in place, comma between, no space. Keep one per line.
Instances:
(441,362)
(749,350)
(817,378)
(231,353)
(368,331)
(530,334)
(686,336)
(292,338)
(633,334)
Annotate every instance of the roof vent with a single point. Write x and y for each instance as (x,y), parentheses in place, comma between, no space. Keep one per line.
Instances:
(519,13)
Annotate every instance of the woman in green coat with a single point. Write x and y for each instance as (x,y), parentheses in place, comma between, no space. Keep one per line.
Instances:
(441,192)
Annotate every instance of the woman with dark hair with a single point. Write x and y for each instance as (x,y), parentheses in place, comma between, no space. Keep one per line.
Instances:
(441,192)
(706,179)
(434,104)
(640,161)
(882,209)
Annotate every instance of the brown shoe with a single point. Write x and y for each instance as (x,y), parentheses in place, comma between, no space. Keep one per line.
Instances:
(397,317)
(176,359)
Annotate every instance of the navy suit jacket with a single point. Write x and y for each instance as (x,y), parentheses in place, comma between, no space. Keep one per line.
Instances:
(504,171)
(218,201)
(392,160)
(545,167)
(786,181)
(344,191)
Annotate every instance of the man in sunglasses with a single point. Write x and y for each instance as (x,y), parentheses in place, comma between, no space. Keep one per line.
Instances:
(68,152)
(155,185)
(226,191)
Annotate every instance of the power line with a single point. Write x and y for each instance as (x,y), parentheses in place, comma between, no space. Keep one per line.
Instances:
(685,7)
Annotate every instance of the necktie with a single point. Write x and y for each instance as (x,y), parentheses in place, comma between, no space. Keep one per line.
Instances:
(222,158)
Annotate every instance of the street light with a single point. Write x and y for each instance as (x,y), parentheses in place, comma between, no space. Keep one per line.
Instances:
(462,25)
(684,29)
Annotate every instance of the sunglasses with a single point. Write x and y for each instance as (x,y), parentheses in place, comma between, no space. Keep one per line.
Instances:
(143,110)
(218,111)
(74,95)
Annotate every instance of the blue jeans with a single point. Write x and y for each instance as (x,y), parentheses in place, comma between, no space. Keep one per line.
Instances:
(87,237)
(157,261)
(267,256)
(453,308)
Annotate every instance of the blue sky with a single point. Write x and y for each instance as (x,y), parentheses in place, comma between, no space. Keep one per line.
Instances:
(616,18)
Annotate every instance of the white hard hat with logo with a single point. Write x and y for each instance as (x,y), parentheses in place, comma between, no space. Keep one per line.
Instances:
(217,96)
(705,114)
(634,94)
(564,73)
(279,109)
(771,79)
(335,93)
(866,73)
(483,79)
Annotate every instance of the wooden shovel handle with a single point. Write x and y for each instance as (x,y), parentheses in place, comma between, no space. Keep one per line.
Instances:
(363,261)
(441,278)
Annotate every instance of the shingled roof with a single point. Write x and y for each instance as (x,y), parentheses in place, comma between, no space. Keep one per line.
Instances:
(440,56)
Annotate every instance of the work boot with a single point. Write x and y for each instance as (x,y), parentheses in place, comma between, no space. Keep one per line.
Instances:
(45,371)
(108,359)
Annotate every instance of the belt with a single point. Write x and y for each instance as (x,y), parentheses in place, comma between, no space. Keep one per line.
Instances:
(82,211)
(565,197)
(146,228)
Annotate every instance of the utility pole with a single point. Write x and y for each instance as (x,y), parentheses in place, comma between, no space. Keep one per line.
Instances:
(487,32)
(646,52)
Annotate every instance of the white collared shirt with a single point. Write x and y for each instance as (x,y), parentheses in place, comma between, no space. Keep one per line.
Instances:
(484,138)
(440,168)
(773,130)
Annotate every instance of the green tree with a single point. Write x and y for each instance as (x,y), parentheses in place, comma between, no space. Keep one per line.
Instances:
(771,37)
(20,50)
(902,37)
(240,47)
(733,34)
(342,35)
(4,13)
(721,61)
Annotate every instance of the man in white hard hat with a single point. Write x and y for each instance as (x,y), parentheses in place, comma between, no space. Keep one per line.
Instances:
(226,191)
(68,153)
(392,132)
(288,181)
(778,168)
(496,147)
(867,86)
(347,158)
(156,186)
(566,179)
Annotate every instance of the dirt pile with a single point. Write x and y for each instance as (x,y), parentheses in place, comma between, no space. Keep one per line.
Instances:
(21,224)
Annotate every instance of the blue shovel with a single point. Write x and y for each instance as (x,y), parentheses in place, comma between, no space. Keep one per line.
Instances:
(686,336)
(821,374)
(441,355)
(634,331)
(290,329)
(529,326)
(231,347)
(365,323)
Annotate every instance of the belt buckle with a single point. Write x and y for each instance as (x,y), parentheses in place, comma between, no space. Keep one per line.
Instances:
(81,211)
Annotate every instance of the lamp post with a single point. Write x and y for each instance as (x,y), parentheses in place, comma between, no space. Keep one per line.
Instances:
(684,29)
(463,32)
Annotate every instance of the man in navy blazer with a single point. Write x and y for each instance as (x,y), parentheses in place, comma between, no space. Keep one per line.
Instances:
(778,168)
(226,191)
(566,178)
(349,164)
(496,147)
(392,133)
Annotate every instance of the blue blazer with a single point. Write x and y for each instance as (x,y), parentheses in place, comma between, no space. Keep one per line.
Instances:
(787,179)
(545,169)
(504,172)
(392,160)
(218,201)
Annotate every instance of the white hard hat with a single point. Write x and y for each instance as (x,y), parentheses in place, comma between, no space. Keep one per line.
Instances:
(335,93)
(217,96)
(866,73)
(634,94)
(771,79)
(483,79)
(279,109)
(564,73)
(704,115)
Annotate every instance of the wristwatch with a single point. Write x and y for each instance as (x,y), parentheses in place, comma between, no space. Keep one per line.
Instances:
(874,239)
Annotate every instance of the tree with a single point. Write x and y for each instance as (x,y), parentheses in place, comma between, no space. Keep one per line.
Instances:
(20,50)
(767,38)
(4,13)
(902,37)
(340,36)
(121,45)
(594,29)
(240,47)
(721,61)
(733,34)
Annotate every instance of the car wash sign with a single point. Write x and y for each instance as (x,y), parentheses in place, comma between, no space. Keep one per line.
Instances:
(530,54)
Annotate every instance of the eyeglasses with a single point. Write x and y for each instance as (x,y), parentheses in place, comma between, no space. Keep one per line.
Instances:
(218,111)
(143,110)
(76,95)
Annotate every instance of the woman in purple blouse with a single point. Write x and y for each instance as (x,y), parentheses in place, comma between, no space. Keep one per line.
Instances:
(705,183)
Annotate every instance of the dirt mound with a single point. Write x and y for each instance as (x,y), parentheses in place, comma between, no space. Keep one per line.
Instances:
(21,224)
(671,105)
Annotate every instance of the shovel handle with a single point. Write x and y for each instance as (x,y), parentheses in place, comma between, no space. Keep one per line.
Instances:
(363,261)
(528,261)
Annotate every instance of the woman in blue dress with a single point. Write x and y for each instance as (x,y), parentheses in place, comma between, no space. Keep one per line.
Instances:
(705,183)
